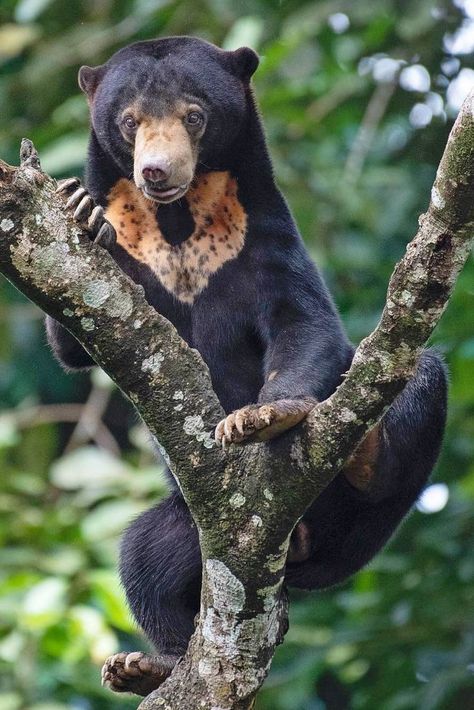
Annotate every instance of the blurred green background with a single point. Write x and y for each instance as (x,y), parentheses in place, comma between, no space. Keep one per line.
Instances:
(358,99)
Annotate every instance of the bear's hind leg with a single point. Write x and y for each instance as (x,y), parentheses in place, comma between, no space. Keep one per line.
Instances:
(348,524)
(161,571)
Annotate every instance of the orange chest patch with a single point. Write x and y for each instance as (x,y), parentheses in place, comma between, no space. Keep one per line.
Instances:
(184,269)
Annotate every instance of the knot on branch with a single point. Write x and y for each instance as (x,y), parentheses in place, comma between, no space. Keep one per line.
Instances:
(29,157)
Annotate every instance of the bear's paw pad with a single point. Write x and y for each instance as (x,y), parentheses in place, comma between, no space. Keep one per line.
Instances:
(136,672)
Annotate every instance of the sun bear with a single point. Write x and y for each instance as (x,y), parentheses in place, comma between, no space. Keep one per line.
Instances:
(180,190)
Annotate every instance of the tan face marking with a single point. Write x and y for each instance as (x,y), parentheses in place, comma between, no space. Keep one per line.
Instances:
(165,138)
(183,269)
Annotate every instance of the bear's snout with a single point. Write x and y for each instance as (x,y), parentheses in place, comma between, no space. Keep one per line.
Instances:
(156,170)
(164,158)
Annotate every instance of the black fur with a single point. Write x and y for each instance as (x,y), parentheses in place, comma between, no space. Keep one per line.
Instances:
(266,310)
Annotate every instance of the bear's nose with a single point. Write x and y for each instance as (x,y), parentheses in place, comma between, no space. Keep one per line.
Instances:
(156,170)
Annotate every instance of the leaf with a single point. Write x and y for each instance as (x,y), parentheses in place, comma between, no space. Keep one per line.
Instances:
(29,10)
(44,604)
(108,520)
(65,154)
(15,38)
(88,467)
(246,31)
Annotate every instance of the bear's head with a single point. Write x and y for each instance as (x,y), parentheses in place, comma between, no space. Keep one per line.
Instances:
(165,109)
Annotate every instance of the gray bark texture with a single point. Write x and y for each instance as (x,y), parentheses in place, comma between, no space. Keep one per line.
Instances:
(237,497)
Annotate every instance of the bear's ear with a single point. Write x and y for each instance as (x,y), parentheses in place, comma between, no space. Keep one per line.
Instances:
(244,62)
(89,79)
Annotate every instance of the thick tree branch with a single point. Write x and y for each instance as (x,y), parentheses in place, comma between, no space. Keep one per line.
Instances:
(239,497)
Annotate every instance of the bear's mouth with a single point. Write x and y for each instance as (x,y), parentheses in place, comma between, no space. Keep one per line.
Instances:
(164,194)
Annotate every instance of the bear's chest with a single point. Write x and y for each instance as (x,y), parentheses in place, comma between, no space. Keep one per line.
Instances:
(218,229)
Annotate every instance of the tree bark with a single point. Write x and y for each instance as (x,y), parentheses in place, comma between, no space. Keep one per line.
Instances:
(238,498)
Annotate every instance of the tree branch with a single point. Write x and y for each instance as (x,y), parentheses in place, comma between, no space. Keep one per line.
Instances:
(238,498)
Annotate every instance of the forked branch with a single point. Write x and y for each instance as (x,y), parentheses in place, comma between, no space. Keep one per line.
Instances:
(238,498)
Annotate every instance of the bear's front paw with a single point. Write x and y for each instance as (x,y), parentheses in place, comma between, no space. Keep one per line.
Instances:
(136,672)
(86,213)
(261,422)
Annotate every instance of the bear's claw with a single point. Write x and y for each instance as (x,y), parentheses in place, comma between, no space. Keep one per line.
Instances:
(136,672)
(106,236)
(76,197)
(86,213)
(261,422)
(84,209)
(96,219)
(65,185)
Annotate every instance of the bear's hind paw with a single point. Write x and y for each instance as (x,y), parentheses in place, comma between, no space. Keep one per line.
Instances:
(136,672)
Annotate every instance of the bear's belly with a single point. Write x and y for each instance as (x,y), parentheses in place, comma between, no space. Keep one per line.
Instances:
(235,362)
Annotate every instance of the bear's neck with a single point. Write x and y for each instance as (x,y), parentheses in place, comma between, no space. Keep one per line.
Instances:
(250,163)
(249,158)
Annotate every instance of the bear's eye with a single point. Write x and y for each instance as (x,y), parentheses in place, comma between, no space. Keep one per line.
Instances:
(129,123)
(194,118)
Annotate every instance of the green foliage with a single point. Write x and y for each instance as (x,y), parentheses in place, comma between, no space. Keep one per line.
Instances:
(356,157)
